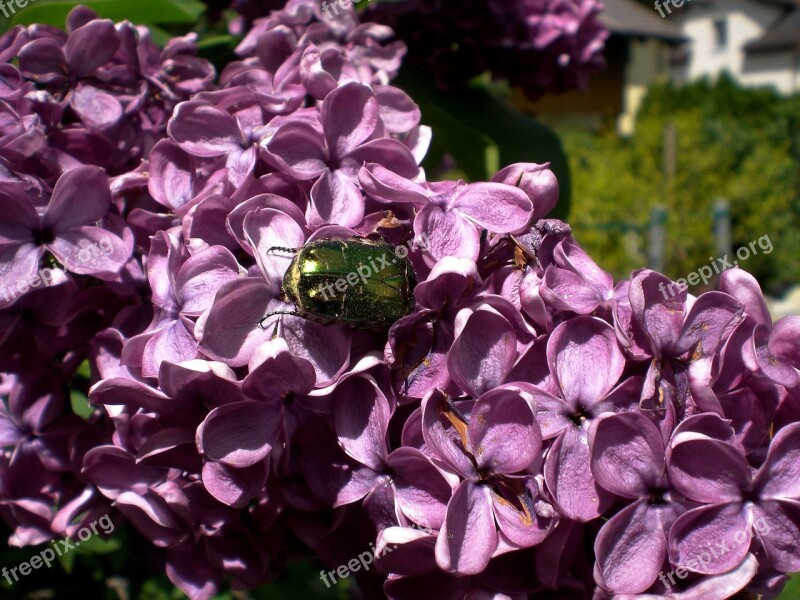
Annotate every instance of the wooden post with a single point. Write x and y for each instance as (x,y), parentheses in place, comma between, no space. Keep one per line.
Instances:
(657,238)
(722,226)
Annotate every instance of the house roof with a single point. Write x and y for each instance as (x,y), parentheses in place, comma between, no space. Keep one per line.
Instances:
(787,3)
(628,18)
(785,35)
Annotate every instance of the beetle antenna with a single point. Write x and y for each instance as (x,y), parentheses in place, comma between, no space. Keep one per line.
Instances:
(282,248)
(294,313)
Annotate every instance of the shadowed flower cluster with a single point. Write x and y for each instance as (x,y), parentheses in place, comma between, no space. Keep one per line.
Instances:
(531,429)
(542,46)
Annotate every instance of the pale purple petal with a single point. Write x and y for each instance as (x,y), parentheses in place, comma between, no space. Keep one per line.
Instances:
(96,109)
(449,234)
(81,197)
(204,130)
(230,332)
(537,181)
(779,477)
(777,525)
(569,478)
(443,443)
(329,354)
(91,251)
(494,206)
(297,150)
(174,343)
(422,492)
(171,178)
(335,199)
(483,353)
(468,537)
(349,116)
(91,46)
(232,486)
(721,475)
(18,269)
(503,434)
(239,434)
(361,417)
(631,548)
(384,185)
(696,533)
(201,276)
(398,111)
(743,286)
(627,454)
(585,358)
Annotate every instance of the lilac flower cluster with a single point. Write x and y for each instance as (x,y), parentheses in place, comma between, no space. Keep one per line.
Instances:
(543,46)
(77,107)
(531,426)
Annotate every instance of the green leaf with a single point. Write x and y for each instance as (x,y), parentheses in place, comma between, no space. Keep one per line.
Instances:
(67,561)
(301,579)
(159,36)
(213,41)
(483,132)
(475,154)
(97,545)
(54,12)
(84,370)
(80,404)
(792,589)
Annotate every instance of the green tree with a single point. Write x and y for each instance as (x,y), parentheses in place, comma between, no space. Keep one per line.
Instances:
(735,143)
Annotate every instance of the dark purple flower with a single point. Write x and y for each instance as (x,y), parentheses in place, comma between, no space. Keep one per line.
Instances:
(585,366)
(491,451)
(628,459)
(331,150)
(66,228)
(738,506)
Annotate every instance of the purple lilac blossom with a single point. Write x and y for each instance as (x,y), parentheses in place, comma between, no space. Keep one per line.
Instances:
(543,46)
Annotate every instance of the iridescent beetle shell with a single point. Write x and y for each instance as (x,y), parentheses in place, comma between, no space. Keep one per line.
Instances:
(360,282)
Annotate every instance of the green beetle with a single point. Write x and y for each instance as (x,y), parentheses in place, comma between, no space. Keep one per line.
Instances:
(361,282)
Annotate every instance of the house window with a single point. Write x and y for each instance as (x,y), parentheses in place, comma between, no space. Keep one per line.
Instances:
(720,33)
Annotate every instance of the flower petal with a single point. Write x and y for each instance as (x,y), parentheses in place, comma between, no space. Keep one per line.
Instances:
(569,478)
(585,358)
(627,454)
(468,537)
(494,206)
(91,46)
(779,476)
(204,130)
(361,415)
(421,490)
(335,199)
(695,538)
(777,525)
(631,548)
(81,197)
(483,353)
(239,434)
(721,475)
(503,434)
(350,116)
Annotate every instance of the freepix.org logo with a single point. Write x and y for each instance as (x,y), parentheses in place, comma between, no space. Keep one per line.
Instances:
(9,7)
(60,548)
(662,5)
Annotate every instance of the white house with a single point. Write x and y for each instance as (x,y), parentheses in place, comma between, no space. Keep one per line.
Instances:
(638,54)
(756,41)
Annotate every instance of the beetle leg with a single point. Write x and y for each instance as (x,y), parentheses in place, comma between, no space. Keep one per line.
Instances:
(294,313)
(282,248)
